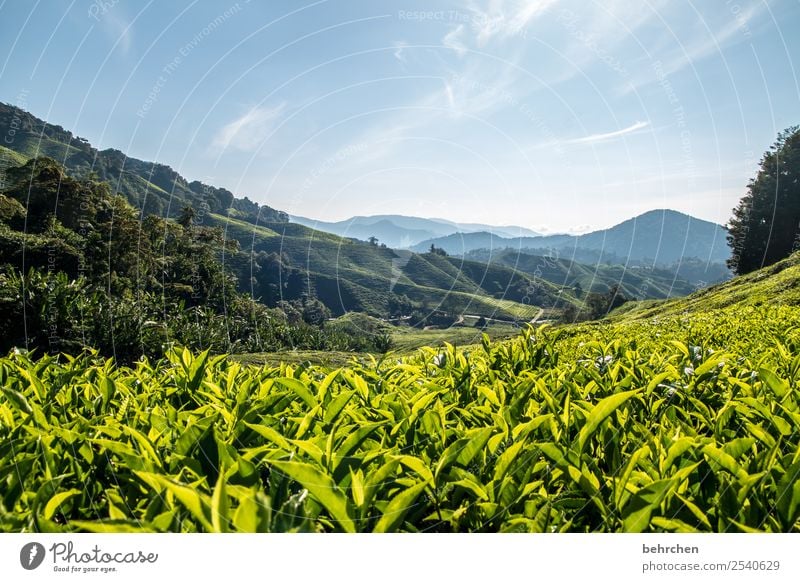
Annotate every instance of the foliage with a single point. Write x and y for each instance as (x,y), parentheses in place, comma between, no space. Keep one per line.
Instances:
(766,223)
(671,424)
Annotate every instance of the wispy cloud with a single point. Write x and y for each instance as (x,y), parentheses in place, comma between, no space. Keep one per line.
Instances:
(248,132)
(503,18)
(451,99)
(119,30)
(452,40)
(601,137)
(399,47)
(705,42)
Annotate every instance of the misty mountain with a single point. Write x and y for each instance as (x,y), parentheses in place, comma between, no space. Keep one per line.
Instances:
(658,237)
(401,232)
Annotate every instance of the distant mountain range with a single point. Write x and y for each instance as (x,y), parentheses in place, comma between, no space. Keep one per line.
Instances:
(401,232)
(657,237)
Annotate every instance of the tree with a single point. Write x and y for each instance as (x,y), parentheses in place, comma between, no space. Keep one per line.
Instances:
(578,289)
(437,251)
(373,241)
(570,314)
(764,226)
(187,216)
(601,304)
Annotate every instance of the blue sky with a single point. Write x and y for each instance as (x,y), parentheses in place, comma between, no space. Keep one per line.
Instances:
(556,115)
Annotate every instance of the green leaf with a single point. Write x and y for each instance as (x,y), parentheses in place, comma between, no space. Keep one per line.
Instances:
(353,441)
(638,455)
(418,466)
(324,386)
(600,412)
(376,479)
(56,500)
(464,450)
(506,459)
(254,514)
(397,508)
(778,386)
(197,369)
(788,496)
(322,488)
(336,406)
(17,400)
(299,389)
(196,503)
(271,435)
(725,461)
(641,505)
(220,507)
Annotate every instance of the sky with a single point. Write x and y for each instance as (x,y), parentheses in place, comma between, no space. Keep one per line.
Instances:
(555,115)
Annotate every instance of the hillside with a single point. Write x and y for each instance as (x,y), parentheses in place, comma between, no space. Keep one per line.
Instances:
(658,237)
(778,284)
(151,187)
(280,260)
(349,275)
(638,282)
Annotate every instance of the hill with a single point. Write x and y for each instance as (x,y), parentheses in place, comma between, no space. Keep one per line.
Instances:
(778,284)
(640,282)
(288,261)
(150,187)
(402,232)
(658,237)
(350,275)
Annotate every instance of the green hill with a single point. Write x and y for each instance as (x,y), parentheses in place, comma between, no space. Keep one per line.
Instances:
(778,284)
(350,275)
(639,282)
(151,187)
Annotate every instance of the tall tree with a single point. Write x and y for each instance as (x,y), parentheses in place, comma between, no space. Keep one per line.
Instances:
(765,225)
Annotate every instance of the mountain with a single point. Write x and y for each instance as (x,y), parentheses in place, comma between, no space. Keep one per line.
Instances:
(658,237)
(402,232)
(150,187)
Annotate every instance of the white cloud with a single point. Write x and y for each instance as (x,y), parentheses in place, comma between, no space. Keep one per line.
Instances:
(248,131)
(601,137)
(502,18)
(451,100)
(452,40)
(119,30)
(705,42)
(398,51)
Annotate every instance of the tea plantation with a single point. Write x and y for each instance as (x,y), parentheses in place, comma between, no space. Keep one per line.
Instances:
(679,416)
